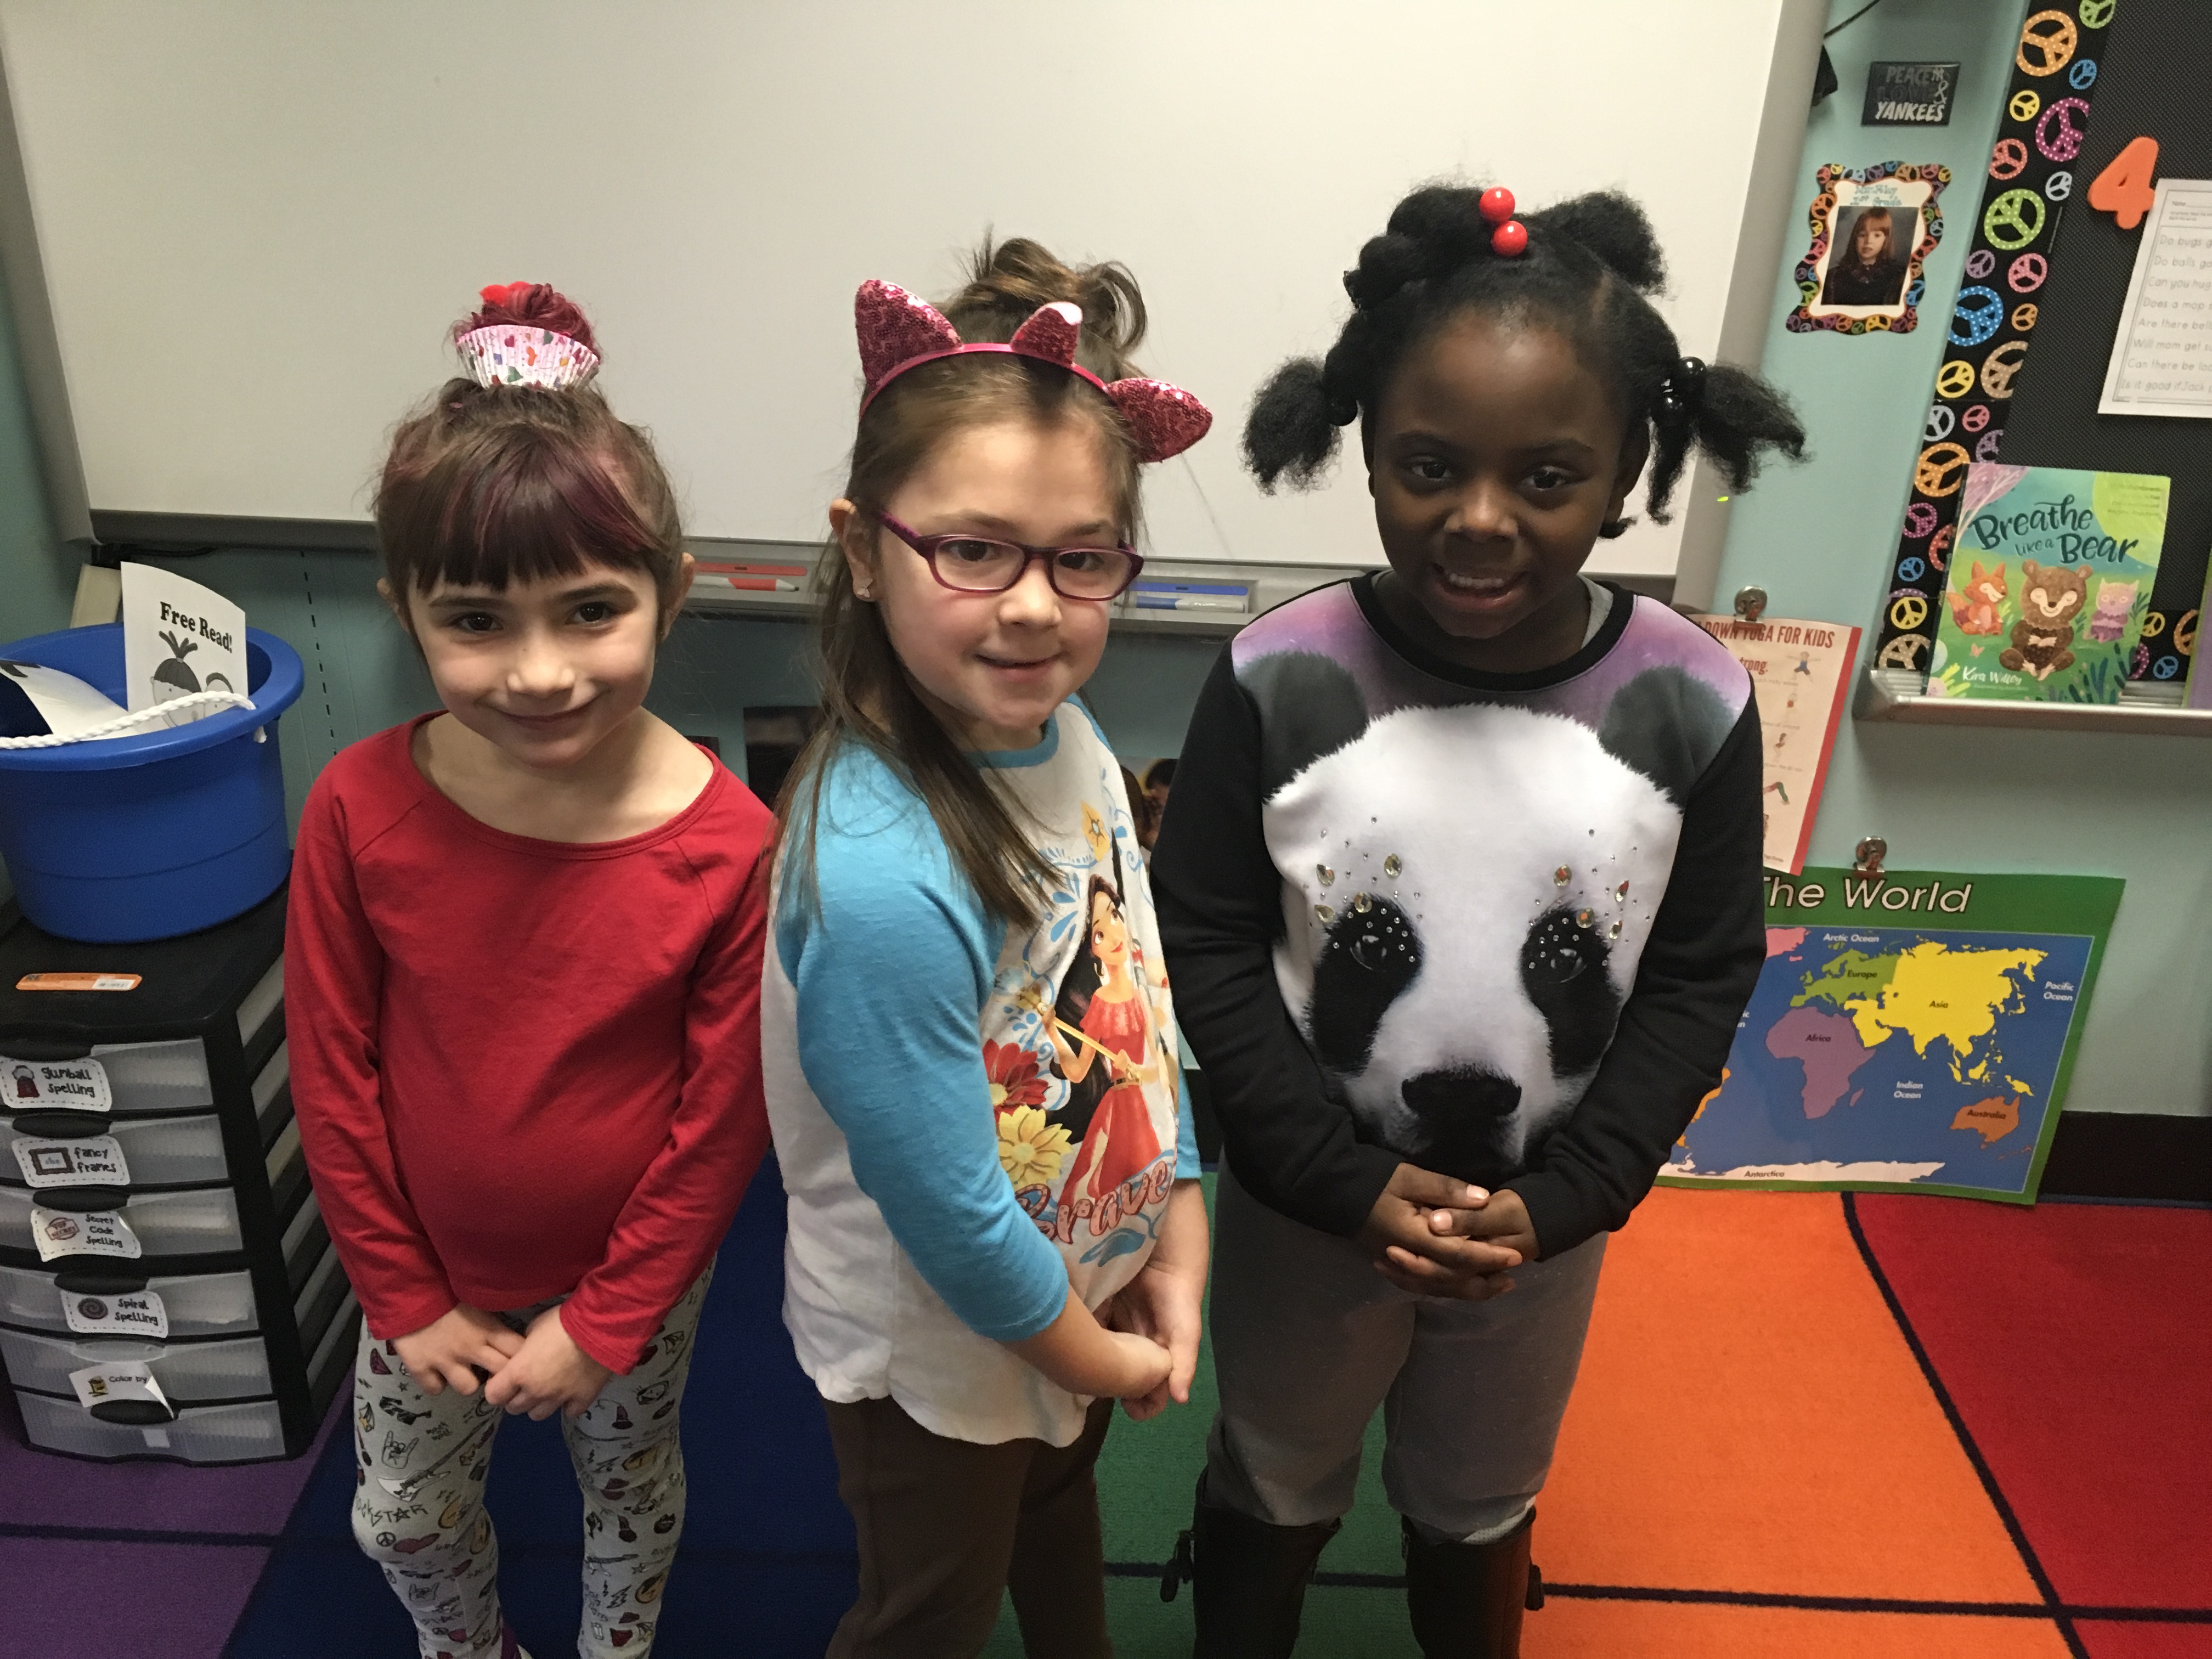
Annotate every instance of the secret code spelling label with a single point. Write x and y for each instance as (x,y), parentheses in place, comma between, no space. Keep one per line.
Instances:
(139,1313)
(96,1161)
(30,1086)
(64,1232)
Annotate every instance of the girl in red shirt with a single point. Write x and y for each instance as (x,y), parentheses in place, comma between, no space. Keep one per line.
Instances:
(522,989)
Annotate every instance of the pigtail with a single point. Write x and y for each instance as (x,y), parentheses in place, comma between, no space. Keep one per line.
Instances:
(1292,432)
(1733,420)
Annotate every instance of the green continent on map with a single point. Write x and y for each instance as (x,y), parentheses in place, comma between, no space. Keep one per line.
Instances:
(1929,991)
(1850,977)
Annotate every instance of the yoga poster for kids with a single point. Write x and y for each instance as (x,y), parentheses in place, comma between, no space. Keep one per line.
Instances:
(1799,673)
(178,638)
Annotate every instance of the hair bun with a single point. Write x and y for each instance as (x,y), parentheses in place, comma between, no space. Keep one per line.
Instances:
(1614,229)
(1008,281)
(529,305)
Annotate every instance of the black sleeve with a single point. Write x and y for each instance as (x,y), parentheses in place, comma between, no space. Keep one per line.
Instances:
(1220,902)
(1697,973)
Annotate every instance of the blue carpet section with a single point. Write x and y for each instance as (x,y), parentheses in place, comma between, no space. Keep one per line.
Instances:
(767,1566)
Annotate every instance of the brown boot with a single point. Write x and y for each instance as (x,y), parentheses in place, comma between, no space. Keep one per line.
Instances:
(1248,1578)
(1467,1599)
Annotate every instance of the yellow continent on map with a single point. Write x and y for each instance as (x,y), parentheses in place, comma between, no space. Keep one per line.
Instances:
(1934,991)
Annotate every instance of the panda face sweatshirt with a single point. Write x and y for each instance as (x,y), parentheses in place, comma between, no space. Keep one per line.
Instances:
(1500,926)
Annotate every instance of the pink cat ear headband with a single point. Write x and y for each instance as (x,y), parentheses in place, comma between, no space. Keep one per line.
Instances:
(899,331)
(519,354)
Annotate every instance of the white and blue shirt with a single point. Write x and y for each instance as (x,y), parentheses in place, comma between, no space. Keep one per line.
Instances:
(970,1118)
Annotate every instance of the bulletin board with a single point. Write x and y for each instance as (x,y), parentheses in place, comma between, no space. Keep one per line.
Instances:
(2031,327)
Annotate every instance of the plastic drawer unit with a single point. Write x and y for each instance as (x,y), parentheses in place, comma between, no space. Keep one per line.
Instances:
(168,1288)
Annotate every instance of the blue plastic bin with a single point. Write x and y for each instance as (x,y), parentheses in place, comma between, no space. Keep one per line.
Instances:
(149,837)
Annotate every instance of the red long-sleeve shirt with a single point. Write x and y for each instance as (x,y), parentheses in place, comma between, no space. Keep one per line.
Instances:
(523,1068)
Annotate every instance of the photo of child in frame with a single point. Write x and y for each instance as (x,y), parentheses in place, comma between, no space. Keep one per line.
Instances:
(1869,257)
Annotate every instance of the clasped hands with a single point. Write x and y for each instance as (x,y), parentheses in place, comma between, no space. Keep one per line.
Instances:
(1436,1236)
(537,1373)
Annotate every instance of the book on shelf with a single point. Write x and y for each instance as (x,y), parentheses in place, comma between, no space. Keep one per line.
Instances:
(2048,581)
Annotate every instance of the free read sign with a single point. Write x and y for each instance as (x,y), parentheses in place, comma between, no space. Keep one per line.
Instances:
(30,1086)
(95,1161)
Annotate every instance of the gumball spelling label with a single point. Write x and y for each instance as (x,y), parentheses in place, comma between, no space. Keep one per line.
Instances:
(1496,205)
(1508,239)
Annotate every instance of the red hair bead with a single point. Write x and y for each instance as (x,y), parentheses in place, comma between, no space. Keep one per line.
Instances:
(1508,239)
(1496,205)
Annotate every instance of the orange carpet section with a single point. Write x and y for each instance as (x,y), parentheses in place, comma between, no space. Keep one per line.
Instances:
(1622,1630)
(1749,1419)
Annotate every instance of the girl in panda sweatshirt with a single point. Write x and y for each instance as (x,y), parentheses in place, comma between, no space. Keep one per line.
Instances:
(1460,888)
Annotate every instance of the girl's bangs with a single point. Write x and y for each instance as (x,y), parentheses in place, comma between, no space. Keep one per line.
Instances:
(532,510)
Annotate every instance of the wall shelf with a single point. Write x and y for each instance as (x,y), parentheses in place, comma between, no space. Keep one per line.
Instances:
(1881,700)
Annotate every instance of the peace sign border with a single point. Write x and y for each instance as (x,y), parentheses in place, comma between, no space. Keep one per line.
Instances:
(1988,267)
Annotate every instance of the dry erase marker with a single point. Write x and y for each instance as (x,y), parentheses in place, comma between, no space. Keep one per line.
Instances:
(1184,602)
(725,567)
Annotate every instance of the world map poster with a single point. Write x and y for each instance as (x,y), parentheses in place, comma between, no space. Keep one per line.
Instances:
(1911,1031)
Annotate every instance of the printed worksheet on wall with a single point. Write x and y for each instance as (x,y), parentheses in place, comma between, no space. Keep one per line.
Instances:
(2162,356)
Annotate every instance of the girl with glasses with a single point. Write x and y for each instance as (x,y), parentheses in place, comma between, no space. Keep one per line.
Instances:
(995,1224)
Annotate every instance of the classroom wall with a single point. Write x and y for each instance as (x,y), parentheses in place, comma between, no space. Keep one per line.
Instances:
(1817,537)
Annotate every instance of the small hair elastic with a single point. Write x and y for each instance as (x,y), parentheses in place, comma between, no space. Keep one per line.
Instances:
(899,330)
(522,353)
(1682,394)
(1510,236)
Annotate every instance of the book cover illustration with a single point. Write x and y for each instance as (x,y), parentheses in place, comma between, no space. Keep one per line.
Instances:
(2048,582)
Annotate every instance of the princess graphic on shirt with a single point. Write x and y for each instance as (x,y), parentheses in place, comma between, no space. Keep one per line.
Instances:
(1104,1046)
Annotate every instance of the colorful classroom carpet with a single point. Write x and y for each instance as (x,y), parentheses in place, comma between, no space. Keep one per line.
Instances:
(1806,1426)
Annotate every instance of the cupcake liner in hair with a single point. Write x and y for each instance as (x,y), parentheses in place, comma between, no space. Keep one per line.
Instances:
(518,354)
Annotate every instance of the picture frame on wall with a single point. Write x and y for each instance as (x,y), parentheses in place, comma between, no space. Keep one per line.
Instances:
(1872,230)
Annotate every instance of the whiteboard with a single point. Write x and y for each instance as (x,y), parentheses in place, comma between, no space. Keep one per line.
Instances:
(258,218)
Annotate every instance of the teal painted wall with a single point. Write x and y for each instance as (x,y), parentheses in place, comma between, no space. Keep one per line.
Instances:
(1818,540)
(1816,536)
(38,575)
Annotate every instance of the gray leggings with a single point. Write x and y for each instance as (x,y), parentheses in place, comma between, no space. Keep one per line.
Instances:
(1308,1339)
(418,1506)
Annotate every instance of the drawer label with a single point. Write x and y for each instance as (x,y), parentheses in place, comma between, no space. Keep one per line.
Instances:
(77,982)
(30,1086)
(64,1232)
(97,1385)
(95,1162)
(138,1314)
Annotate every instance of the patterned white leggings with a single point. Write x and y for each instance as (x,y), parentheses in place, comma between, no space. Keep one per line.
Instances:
(419,1472)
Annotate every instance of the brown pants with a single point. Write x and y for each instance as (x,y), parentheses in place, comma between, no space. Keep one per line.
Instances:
(944,1526)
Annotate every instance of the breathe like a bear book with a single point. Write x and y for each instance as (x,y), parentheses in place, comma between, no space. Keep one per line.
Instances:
(2049,581)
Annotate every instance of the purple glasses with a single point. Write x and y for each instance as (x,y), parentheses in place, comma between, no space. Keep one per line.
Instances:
(977,564)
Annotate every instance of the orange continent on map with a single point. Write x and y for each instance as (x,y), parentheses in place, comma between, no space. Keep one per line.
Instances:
(1992,1119)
